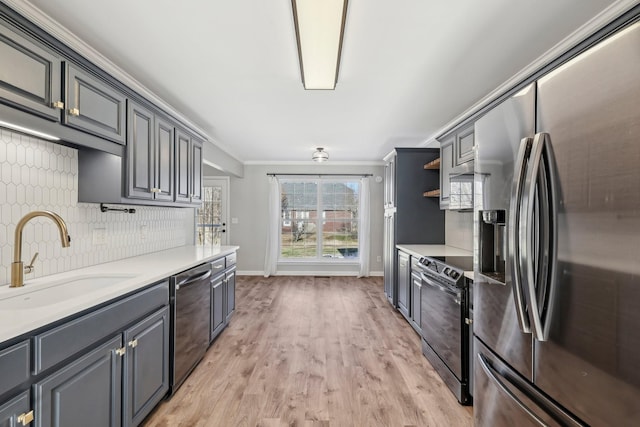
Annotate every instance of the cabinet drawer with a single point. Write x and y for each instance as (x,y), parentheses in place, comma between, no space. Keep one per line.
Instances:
(60,343)
(14,366)
(231,259)
(218,265)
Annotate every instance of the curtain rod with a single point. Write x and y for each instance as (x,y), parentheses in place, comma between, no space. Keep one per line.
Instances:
(319,174)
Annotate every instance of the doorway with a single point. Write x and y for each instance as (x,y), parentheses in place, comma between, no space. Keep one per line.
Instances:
(211,218)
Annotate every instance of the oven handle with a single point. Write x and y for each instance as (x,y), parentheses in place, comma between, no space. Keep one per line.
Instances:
(456,294)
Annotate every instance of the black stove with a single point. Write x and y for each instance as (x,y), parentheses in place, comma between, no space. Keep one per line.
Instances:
(448,270)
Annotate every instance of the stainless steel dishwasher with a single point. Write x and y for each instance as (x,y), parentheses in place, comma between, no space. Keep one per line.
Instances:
(190,311)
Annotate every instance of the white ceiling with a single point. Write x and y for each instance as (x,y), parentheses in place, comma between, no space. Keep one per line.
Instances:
(408,66)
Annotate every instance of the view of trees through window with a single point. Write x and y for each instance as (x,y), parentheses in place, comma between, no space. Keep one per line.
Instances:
(319,224)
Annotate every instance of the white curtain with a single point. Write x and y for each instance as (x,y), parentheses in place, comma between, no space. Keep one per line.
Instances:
(364,229)
(272,251)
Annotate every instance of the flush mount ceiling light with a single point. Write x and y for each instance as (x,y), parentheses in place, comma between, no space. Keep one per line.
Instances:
(320,155)
(319,30)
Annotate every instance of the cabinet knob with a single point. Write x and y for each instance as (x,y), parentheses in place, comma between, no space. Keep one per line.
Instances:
(25,418)
(74,112)
(133,343)
(121,351)
(58,104)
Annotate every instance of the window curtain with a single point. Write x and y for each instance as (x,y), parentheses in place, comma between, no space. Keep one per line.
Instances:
(271,254)
(364,229)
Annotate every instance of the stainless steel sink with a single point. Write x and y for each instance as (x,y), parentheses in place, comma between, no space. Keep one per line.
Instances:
(58,291)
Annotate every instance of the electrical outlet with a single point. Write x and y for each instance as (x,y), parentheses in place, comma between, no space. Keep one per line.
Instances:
(234,220)
(379,258)
(143,232)
(99,236)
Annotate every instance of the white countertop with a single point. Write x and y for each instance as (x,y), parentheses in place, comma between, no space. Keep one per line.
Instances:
(436,250)
(137,272)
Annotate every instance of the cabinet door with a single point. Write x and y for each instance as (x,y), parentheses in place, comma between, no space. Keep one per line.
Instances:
(165,160)
(147,366)
(404,283)
(183,172)
(230,286)
(390,259)
(217,306)
(389,183)
(140,152)
(446,164)
(465,146)
(416,299)
(32,81)
(86,392)
(13,412)
(196,171)
(94,106)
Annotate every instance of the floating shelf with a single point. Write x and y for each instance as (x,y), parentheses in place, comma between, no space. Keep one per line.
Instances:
(434,164)
(432,193)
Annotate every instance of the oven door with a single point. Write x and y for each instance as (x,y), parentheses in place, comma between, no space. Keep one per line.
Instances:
(441,322)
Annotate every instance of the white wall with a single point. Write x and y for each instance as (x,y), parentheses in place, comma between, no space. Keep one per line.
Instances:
(249,201)
(458,230)
(40,175)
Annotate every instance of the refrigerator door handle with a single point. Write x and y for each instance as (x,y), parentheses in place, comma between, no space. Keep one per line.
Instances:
(514,232)
(493,375)
(539,186)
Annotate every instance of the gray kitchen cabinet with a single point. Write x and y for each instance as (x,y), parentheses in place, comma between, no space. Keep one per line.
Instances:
(230,291)
(93,106)
(146,369)
(150,155)
(404,284)
(389,258)
(16,411)
(32,81)
(88,391)
(140,155)
(188,168)
(218,304)
(465,145)
(389,183)
(446,165)
(14,366)
(416,299)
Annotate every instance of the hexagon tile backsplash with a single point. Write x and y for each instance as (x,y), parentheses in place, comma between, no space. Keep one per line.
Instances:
(40,175)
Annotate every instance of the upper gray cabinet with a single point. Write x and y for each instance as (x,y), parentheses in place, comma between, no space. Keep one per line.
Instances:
(150,155)
(464,145)
(29,76)
(389,182)
(446,164)
(93,106)
(188,168)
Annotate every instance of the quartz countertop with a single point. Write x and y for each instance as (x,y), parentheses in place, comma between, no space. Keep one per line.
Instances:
(436,250)
(137,272)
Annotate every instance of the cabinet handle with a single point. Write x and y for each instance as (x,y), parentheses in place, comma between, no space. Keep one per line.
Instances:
(58,104)
(133,343)
(217,267)
(121,351)
(25,418)
(155,190)
(74,112)
(468,321)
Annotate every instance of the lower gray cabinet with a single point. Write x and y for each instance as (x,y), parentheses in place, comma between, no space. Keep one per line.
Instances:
(404,283)
(218,317)
(16,412)
(416,299)
(146,370)
(230,282)
(86,392)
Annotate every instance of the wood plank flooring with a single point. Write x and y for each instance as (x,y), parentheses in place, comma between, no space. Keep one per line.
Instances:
(311,351)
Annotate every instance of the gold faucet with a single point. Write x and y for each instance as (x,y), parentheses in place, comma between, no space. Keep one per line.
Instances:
(17,267)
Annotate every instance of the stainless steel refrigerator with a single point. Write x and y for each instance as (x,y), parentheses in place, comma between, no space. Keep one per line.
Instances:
(557,253)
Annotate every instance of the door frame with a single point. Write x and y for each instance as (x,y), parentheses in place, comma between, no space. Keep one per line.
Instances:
(224,182)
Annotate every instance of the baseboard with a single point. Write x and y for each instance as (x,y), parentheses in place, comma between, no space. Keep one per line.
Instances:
(308,273)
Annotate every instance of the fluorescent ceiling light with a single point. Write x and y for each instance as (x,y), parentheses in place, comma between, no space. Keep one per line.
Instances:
(319,30)
(28,131)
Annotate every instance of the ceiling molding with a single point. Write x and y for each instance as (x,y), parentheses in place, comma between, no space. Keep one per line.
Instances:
(607,16)
(310,163)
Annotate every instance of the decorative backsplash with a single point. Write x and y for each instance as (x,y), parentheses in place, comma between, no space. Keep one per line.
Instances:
(40,175)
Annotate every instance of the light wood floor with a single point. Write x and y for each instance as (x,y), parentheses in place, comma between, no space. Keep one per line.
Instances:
(305,351)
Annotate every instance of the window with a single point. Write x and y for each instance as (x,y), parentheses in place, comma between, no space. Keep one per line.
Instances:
(319,219)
